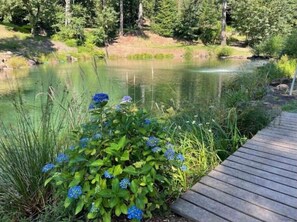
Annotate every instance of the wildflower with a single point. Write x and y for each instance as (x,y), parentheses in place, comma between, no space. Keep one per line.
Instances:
(147,121)
(193,122)
(107,175)
(134,213)
(196,116)
(97,136)
(100,98)
(183,168)
(47,167)
(152,141)
(75,192)
(156,149)
(209,130)
(62,158)
(124,183)
(187,121)
(126,99)
(169,154)
(83,142)
(200,124)
(180,157)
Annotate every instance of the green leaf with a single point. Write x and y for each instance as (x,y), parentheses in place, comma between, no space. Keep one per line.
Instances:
(118,210)
(113,202)
(92,215)
(107,217)
(117,170)
(145,169)
(79,206)
(139,164)
(134,186)
(125,156)
(107,193)
(122,142)
(67,202)
(47,181)
(130,170)
(140,203)
(115,185)
(124,208)
(97,163)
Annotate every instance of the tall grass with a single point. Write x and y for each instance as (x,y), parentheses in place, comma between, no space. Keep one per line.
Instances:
(26,145)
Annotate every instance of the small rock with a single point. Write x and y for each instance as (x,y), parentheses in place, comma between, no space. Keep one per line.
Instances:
(282,87)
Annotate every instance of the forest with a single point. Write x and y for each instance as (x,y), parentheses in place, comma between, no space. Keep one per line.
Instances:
(99,22)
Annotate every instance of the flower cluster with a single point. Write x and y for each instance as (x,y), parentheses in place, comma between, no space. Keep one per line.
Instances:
(126,99)
(134,213)
(62,158)
(107,175)
(124,183)
(47,167)
(152,141)
(169,154)
(98,100)
(83,142)
(74,192)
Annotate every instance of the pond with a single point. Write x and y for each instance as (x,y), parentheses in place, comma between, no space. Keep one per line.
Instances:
(151,83)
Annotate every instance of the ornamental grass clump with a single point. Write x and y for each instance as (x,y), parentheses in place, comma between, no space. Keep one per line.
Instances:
(121,164)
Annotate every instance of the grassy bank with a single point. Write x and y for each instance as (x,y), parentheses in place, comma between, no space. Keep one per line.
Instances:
(20,49)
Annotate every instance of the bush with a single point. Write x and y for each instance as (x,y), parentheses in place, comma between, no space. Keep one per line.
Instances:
(121,164)
(271,47)
(17,62)
(290,47)
(71,42)
(224,51)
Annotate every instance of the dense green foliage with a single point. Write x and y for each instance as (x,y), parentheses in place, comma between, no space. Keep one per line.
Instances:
(189,20)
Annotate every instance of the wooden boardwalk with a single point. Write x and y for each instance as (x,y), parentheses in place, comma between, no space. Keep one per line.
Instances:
(257,183)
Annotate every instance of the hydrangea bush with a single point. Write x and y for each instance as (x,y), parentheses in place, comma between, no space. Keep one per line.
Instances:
(121,163)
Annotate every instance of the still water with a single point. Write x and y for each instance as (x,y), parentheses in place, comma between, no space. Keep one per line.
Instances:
(150,83)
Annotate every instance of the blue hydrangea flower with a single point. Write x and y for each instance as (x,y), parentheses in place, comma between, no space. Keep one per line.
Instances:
(107,175)
(147,121)
(100,98)
(134,213)
(83,142)
(152,141)
(62,158)
(91,106)
(97,136)
(126,99)
(47,167)
(169,154)
(180,157)
(156,149)
(183,168)
(124,183)
(74,192)
(71,147)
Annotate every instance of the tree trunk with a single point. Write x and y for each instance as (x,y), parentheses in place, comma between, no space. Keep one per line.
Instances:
(121,18)
(67,12)
(140,16)
(224,23)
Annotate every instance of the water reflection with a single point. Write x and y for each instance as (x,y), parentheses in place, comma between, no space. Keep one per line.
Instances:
(151,83)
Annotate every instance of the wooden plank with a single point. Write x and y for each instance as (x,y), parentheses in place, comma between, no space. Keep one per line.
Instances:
(215,207)
(268,156)
(265,167)
(273,150)
(275,141)
(261,173)
(273,163)
(281,131)
(250,197)
(290,191)
(289,115)
(195,213)
(279,126)
(273,146)
(239,204)
(278,134)
(284,124)
(265,192)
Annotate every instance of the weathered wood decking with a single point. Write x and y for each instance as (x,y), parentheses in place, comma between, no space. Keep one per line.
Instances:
(257,183)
